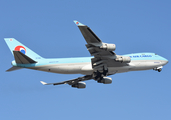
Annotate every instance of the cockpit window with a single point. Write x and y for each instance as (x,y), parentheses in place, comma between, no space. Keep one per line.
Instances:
(155,54)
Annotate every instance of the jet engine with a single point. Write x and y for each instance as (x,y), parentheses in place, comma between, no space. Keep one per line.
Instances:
(123,59)
(108,47)
(105,80)
(79,85)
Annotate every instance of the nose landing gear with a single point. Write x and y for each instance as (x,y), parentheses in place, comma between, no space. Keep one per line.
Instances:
(159,69)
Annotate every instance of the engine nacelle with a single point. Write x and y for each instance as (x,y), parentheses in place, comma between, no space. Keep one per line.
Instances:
(79,85)
(123,59)
(105,80)
(108,47)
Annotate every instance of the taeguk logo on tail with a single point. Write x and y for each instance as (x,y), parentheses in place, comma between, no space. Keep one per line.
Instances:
(21,49)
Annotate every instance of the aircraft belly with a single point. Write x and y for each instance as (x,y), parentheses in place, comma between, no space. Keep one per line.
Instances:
(121,69)
(146,64)
(67,69)
(86,68)
(136,65)
(63,68)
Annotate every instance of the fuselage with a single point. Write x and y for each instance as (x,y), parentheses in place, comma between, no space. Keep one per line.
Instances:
(82,65)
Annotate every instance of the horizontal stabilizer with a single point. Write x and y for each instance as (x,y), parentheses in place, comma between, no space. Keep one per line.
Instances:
(13,68)
(21,58)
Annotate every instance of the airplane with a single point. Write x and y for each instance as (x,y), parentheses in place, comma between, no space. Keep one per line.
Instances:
(104,61)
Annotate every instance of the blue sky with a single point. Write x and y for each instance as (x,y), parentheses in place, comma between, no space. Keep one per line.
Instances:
(47,27)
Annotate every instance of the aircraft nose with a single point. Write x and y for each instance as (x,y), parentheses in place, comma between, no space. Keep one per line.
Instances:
(165,62)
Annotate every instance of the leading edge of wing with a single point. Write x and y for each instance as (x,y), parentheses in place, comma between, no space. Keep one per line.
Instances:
(70,82)
(44,83)
(78,23)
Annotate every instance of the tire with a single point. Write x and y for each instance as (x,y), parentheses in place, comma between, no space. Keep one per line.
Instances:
(159,70)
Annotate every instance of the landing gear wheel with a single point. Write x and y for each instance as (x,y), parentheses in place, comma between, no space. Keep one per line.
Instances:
(159,70)
(99,74)
(105,71)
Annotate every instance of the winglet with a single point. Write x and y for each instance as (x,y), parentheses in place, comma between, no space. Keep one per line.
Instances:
(44,83)
(78,23)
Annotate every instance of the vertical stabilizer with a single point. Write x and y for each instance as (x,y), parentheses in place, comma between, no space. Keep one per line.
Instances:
(14,45)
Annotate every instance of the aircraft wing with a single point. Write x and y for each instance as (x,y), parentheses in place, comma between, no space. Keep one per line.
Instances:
(88,34)
(102,56)
(70,82)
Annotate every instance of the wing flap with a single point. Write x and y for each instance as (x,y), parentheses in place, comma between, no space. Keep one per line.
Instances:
(96,51)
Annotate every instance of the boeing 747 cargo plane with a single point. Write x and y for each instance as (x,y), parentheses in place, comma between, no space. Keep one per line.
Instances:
(104,61)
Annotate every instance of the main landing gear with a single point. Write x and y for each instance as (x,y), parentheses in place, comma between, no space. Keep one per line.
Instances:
(98,75)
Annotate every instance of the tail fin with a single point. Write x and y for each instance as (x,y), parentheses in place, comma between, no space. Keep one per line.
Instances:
(14,45)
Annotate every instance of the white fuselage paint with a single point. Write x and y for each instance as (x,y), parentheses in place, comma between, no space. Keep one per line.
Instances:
(86,68)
